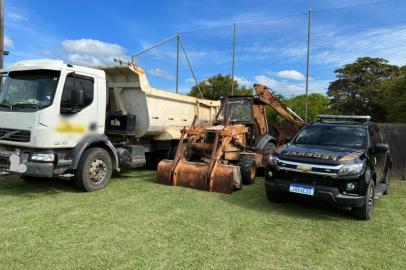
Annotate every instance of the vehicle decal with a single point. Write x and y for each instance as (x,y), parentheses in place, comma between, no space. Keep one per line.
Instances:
(65,127)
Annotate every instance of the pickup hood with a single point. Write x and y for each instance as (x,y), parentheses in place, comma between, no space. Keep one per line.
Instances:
(317,154)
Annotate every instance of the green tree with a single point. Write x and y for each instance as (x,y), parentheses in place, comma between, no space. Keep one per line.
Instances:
(317,104)
(358,87)
(219,86)
(394,98)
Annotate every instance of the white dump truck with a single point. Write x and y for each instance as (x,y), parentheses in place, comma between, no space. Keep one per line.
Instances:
(62,120)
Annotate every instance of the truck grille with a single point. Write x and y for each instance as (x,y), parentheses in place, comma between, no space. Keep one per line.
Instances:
(15,135)
(4,163)
(307,178)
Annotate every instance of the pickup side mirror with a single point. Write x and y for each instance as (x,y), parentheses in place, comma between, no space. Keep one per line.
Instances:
(381,147)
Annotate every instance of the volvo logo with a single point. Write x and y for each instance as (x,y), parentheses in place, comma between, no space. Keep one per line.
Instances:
(304,168)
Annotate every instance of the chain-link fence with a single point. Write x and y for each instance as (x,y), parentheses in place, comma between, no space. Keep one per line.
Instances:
(274,51)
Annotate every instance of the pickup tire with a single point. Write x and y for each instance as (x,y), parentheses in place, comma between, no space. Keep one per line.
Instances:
(366,211)
(248,168)
(94,170)
(273,196)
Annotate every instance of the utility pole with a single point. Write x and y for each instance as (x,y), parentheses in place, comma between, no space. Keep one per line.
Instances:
(309,20)
(2,52)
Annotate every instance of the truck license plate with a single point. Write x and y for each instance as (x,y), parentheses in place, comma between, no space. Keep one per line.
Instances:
(301,189)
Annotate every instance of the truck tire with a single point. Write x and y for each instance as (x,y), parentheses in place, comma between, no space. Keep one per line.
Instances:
(94,170)
(273,196)
(387,181)
(366,211)
(248,168)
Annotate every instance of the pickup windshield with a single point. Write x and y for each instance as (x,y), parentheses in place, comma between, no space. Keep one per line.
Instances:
(329,135)
(28,90)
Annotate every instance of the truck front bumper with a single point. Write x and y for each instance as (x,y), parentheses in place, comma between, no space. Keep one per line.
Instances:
(324,193)
(26,166)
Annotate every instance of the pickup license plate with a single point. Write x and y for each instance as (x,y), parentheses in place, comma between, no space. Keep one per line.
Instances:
(301,189)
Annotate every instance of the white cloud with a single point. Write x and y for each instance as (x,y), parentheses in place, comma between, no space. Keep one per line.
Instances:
(291,74)
(265,80)
(157,72)
(190,81)
(91,52)
(15,15)
(243,81)
(8,42)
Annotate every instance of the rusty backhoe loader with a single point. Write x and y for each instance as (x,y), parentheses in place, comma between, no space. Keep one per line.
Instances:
(222,157)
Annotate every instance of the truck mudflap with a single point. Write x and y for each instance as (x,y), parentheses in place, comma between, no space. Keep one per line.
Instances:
(223,178)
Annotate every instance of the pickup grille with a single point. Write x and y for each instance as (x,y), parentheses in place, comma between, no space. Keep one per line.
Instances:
(4,163)
(307,178)
(15,135)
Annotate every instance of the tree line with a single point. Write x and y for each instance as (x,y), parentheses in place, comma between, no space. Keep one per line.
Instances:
(368,86)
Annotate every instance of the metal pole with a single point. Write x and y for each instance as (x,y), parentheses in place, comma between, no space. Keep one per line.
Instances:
(1,33)
(177,63)
(308,61)
(154,46)
(233,64)
(190,66)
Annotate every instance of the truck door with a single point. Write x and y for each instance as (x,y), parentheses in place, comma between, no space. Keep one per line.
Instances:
(78,115)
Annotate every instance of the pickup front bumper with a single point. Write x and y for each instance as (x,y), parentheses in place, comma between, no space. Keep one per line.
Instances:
(324,193)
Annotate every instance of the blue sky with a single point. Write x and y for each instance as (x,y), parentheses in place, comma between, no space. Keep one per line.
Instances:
(271,37)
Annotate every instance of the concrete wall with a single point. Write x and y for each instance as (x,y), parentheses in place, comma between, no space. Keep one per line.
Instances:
(395,135)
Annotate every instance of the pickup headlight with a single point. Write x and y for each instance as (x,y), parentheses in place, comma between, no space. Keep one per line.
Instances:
(50,157)
(351,169)
(273,160)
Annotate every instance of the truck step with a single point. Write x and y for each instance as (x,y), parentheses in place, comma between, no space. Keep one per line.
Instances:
(379,190)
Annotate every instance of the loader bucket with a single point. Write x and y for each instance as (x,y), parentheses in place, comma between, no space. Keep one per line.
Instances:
(164,172)
(224,178)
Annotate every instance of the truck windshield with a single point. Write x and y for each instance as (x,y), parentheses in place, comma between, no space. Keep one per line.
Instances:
(238,110)
(329,135)
(28,90)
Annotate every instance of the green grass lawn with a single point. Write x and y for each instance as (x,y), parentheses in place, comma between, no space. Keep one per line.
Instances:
(135,223)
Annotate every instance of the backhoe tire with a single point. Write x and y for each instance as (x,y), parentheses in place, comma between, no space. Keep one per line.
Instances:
(248,168)
(94,170)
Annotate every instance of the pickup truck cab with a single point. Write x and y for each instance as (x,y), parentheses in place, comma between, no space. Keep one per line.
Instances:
(339,159)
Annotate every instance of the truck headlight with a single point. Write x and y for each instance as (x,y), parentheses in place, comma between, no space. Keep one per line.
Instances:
(50,157)
(351,169)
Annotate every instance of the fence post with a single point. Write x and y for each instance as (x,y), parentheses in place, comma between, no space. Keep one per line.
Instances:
(309,20)
(233,63)
(177,63)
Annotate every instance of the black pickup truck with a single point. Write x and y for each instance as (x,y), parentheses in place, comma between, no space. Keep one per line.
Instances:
(339,159)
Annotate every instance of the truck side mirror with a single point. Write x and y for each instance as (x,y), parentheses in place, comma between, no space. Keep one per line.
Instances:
(381,147)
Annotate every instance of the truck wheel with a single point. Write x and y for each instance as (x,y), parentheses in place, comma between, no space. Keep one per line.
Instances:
(248,169)
(366,211)
(387,181)
(273,196)
(94,170)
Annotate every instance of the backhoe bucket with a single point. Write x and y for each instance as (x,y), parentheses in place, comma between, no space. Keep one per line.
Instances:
(224,178)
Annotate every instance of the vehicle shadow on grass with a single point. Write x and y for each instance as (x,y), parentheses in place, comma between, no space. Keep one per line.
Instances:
(254,198)
(15,186)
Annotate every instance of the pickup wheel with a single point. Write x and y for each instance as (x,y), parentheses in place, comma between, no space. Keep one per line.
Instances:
(94,170)
(366,211)
(248,168)
(273,196)
(387,181)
